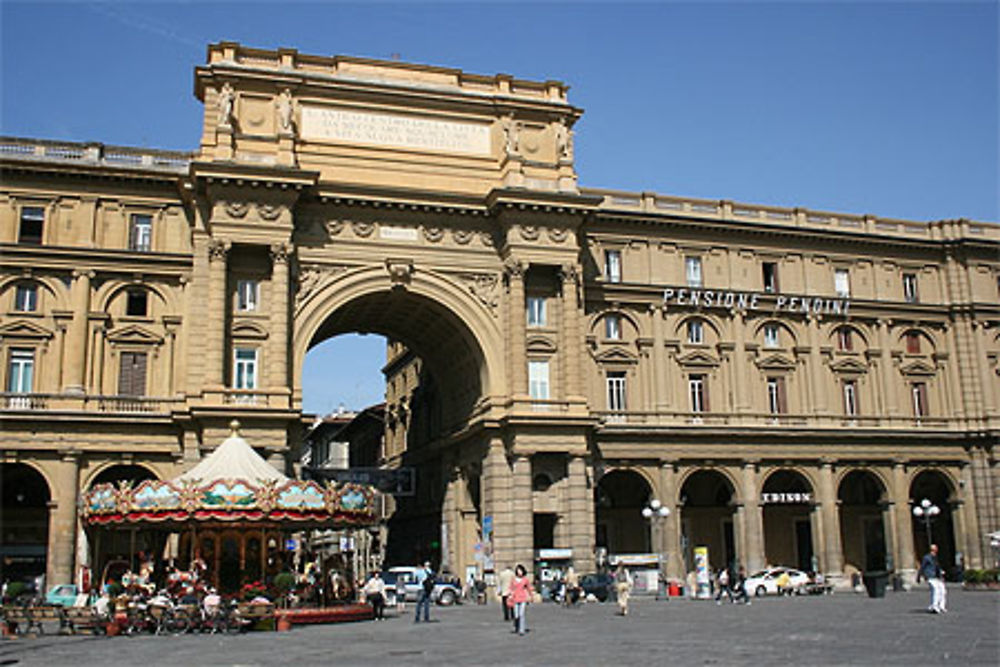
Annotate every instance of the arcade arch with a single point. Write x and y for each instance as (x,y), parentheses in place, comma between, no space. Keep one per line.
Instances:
(788,509)
(934,486)
(24,522)
(619,498)
(861,495)
(707,512)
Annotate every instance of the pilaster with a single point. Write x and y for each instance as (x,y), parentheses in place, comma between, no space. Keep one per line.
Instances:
(278,351)
(522,511)
(752,518)
(516,344)
(581,530)
(62,519)
(76,336)
(833,554)
(904,557)
(218,315)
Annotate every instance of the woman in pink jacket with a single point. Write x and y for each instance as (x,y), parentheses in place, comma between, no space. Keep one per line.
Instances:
(521,592)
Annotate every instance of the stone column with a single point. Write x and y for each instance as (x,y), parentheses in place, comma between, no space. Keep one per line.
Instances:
(218,315)
(279,316)
(449,519)
(62,519)
(742,402)
(967,527)
(833,554)
(581,530)
(816,374)
(890,405)
(959,399)
(752,518)
(660,400)
(670,545)
(906,561)
(517,351)
(76,337)
(496,491)
(523,512)
(570,337)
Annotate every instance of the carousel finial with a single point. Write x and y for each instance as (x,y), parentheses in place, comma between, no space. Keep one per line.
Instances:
(234,428)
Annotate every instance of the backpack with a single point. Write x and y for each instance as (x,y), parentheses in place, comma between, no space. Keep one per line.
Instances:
(428,583)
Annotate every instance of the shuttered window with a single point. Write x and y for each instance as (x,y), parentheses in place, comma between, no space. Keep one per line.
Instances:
(132,374)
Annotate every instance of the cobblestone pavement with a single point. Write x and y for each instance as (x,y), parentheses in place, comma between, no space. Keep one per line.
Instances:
(843,629)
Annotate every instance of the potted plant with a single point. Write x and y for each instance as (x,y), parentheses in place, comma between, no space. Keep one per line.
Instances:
(284,582)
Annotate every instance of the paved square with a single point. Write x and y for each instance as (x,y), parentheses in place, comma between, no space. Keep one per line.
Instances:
(844,629)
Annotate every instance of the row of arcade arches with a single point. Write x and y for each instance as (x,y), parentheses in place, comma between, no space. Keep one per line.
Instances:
(708,505)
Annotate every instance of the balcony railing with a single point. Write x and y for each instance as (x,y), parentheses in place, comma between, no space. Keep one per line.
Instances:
(18,403)
(40,150)
(767,420)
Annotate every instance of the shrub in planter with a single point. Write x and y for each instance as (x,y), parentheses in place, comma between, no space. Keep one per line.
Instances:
(284,582)
(989,576)
(15,589)
(971,576)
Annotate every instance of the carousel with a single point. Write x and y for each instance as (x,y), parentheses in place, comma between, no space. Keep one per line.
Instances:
(225,522)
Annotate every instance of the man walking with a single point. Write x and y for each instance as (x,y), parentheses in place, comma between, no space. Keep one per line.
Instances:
(724,587)
(504,580)
(931,571)
(425,580)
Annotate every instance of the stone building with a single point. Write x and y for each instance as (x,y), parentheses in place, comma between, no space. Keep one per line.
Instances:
(788,382)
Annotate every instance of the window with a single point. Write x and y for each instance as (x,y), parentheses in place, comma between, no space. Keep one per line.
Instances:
(536,311)
(616,391)
(771,336)
(770,271)
(698,392)
(32,223)
(247,295)
(912,342)
(845,340)
(140,236)
(776,396)
(850,397)
(20,370)
(918,391)
(613,326)
(693,270)
(26,298)
(613,266)
(842,283)
(132,374)
(696,333)
(136,303)
(910,294)
(245,368)
(538,380)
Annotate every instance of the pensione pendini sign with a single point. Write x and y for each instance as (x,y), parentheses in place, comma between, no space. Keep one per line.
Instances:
(699,298)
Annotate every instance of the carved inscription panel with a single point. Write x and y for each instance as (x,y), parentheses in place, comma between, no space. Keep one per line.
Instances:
(382,129)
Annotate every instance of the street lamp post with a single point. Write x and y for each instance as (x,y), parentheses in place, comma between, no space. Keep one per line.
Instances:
(655,512)
(926,511)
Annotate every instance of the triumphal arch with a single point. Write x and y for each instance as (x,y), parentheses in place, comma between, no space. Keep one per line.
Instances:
(788,383)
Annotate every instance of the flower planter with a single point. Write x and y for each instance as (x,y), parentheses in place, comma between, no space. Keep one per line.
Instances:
(988,586)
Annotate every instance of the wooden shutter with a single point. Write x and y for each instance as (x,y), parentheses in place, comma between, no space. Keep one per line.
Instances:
(782,405)
(132,374)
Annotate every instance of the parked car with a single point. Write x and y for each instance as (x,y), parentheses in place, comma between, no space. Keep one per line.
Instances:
(765,582)
(447,590)
(64,594)
(601,586)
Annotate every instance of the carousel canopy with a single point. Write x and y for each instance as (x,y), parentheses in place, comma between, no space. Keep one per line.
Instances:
(232,484)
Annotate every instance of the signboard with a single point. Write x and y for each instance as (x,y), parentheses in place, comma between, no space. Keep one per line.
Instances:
(394,481)
(702,576)
(699,298)
(291,544)
(346,543)
(554,554)
(785,498)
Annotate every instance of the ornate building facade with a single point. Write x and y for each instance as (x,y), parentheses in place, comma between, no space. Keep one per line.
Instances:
(787,382)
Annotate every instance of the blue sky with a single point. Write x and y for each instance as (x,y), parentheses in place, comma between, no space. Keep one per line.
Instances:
(887,108)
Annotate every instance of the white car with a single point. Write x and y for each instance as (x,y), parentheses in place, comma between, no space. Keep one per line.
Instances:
(765,582)
(446,592)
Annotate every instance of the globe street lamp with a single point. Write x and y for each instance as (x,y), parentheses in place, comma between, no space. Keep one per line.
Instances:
(926,511)
(654,513)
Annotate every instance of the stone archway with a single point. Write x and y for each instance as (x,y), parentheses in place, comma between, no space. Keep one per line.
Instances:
(934,486)
(788,507)
(862,522)
(24,522)
(707,514)
(619,498)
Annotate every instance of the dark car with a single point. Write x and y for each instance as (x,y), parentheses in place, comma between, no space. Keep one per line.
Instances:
(601,586)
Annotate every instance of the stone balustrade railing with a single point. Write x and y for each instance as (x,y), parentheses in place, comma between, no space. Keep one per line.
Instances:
(41,150)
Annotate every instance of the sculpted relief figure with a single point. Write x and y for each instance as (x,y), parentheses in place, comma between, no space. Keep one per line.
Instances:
(286,109)
(226,98)
(564,141)
(511,130)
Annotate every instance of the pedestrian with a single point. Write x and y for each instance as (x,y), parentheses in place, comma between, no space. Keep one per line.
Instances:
(931,571)
(723,586)
(504,580)
(374,590)
(784,583)
(425,581)
(521,593)
(571,584)
(623,587)
(740,586)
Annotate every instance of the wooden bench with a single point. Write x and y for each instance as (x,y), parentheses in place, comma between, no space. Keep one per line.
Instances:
(16,618)
(39,616)
(84,620)
(253,613)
